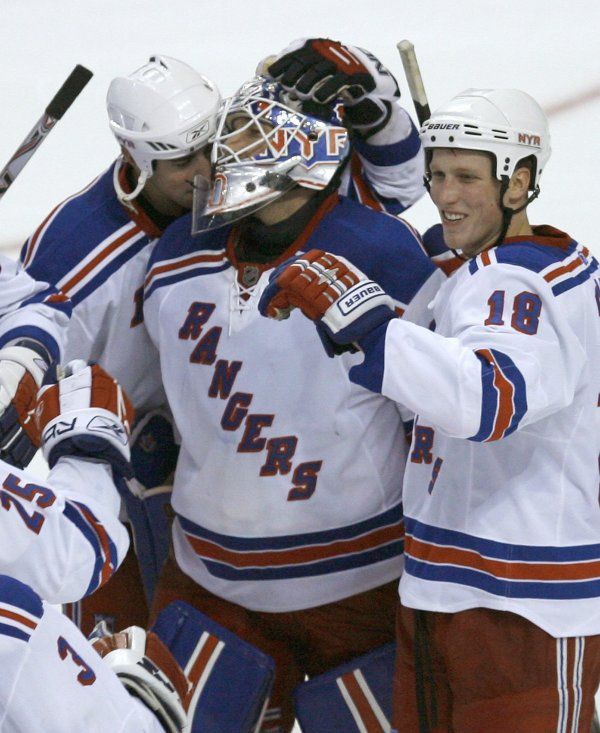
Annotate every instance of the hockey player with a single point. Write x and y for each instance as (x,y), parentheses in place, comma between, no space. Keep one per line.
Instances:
(499,627)
(287,491)
(61,539)
(96,245)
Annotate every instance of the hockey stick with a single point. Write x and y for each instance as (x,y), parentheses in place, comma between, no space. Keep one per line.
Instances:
(59,104)
(414,79)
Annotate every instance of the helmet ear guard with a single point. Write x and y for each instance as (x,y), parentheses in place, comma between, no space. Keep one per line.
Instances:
(282,147)
(162,111)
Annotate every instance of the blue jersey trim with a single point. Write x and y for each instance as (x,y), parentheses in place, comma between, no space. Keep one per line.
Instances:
(333,565)
(389,517)
(20,595)
(392,154)
(113,266)
(573,282)
(160,281)
(500,550)
(72,511)
(490,396)
(6,630)
(567,590)
(35,333)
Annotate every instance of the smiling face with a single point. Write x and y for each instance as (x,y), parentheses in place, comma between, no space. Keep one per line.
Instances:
(467,196)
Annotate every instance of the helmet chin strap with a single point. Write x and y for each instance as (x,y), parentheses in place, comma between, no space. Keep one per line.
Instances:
(122,195)
(507,213)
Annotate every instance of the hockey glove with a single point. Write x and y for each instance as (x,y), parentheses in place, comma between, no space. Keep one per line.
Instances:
(22,367)
(342,301)
(82,411)
(323,71)
(147,670)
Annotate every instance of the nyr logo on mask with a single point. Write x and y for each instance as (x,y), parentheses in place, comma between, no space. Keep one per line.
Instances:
(325,145)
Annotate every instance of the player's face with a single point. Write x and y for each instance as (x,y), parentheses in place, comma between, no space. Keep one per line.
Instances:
(467,197)
(247,139)
(170,188)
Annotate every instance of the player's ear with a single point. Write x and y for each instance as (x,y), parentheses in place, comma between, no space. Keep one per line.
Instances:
(518,187)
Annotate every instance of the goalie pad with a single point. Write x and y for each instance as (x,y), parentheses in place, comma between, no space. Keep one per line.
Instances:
(196,675)
(147,495)
(231,679)
(355,697)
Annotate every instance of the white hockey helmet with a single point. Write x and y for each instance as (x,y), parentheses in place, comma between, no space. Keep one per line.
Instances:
(507,123)
(163,110)
(290,148)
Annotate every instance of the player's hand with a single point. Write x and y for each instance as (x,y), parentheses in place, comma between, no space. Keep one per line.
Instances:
(22,368)
(82,411)
(342,301)
(323,71)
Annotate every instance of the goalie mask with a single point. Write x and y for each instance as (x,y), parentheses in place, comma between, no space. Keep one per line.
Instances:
(263,147)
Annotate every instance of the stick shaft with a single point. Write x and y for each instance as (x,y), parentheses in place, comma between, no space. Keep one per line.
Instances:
(415,80)
(59,104)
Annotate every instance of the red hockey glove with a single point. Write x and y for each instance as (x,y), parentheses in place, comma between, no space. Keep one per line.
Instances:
(344,303)
(323,71)
(83,411)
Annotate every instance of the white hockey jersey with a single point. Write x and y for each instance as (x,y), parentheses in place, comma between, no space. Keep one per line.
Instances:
(501,489)
(31,309)
(96,251)
(287,491)
(61,536)
(52,680)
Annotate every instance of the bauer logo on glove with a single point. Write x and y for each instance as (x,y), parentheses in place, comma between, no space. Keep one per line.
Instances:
(358,295)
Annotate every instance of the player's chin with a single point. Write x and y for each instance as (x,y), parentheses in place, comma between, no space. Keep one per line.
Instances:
(186,200)
(453,238)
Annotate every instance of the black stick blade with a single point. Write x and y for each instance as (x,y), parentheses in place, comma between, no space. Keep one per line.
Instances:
(69,92)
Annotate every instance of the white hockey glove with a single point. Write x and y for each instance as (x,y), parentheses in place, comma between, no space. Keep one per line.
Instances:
(148,670)
(323,71)
(82,411)
(22,367)
(343,302)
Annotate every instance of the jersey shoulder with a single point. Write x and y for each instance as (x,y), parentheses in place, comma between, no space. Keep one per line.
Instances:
(76,227)
(383,246)
(553,257)
(179,255)
(178,241)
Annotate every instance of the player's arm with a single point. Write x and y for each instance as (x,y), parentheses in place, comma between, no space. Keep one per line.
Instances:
(63,537)
(33,317)
(493,377)
(483,384)
(387,166)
